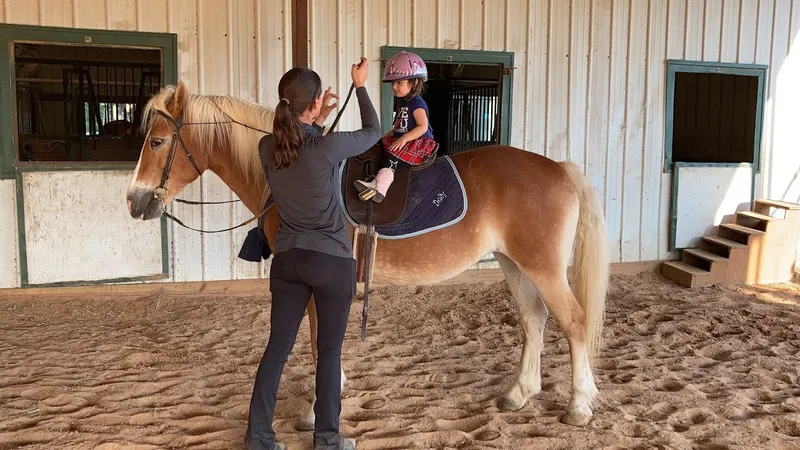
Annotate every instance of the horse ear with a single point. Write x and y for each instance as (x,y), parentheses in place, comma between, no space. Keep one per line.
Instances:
(178,100)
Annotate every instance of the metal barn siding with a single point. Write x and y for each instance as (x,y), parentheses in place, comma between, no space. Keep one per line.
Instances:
(589,84)
(236,47)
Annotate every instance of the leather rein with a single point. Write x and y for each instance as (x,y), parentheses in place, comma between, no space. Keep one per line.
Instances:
(161,192)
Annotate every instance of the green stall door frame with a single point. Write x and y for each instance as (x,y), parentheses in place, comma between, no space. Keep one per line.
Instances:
(166,42)
(448,56)
(684,66)
(9,169)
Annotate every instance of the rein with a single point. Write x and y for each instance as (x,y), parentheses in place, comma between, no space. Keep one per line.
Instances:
(161,191)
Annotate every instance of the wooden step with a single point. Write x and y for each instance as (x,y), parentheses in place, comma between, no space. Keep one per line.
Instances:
(741,229)
(738,233)
(685,274)
(703,254)
(778,204)
(721,241)
(756,216)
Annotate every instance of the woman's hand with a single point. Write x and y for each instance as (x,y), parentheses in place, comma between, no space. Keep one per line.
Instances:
(359,73)
(326,109)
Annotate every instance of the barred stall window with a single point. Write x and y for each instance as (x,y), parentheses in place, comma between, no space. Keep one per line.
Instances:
(465,103)
(82,103)
(110,113)
(473,118)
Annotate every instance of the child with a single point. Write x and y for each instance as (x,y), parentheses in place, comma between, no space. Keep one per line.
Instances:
(411,139)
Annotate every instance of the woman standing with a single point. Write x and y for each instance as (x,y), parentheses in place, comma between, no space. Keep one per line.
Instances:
(313,252)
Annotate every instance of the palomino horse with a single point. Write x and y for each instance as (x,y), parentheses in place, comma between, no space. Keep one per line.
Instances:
(533,213)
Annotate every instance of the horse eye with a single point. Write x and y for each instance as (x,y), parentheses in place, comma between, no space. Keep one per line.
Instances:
(155,142)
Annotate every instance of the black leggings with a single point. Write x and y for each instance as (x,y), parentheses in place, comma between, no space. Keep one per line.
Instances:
(294,276)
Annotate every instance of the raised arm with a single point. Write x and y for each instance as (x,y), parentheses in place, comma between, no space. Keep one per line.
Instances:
(342,145)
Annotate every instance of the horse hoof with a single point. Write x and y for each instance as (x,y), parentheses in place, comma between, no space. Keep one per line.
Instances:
(306,424)
(506,404)
(576,419)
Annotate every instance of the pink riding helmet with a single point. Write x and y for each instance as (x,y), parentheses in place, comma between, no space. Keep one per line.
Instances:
(405,66)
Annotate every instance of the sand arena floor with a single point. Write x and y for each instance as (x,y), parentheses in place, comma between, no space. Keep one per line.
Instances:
(713,368)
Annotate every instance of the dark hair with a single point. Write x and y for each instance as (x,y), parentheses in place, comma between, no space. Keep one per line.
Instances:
(417,86)
(297,90)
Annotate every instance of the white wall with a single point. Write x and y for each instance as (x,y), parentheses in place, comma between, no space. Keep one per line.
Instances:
(590,82)
(782,168)
(76,229)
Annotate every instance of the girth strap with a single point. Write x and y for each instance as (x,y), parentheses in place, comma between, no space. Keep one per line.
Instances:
(367,270)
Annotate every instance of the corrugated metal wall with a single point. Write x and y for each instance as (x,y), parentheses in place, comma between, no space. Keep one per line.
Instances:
(589,83)
(236,47)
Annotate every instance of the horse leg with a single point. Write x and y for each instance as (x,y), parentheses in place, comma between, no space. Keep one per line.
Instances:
(561,301)
(533,315)
(307,423)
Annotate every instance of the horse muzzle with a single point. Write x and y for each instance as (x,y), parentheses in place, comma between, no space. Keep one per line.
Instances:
(142,204)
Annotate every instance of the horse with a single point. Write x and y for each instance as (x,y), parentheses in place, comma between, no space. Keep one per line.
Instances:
(533,213)
(120,128)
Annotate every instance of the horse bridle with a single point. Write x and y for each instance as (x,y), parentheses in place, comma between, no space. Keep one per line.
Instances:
(161,192)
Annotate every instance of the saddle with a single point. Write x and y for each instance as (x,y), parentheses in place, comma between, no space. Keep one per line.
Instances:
(366,166)
(368,214)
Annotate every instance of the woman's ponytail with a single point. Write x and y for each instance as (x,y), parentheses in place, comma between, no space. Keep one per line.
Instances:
(287,136)
(298,89)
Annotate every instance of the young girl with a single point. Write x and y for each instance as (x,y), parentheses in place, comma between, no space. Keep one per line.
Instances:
(411,139)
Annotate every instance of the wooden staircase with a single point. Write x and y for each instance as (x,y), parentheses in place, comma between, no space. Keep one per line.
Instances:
(760,247)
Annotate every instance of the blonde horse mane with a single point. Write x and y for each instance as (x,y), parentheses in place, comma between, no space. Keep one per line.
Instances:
(207,121)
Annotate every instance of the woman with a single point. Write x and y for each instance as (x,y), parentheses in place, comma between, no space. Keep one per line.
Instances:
(313,253)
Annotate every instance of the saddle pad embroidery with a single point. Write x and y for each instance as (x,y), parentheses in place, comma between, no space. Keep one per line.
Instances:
(436,199)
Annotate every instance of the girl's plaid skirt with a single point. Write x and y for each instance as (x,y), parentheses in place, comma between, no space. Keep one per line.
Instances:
(414,152)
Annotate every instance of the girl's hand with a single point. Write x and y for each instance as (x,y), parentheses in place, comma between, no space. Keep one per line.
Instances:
(398,144)
(326,108)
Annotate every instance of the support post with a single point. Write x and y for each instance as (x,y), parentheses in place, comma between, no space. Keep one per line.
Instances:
(300,33)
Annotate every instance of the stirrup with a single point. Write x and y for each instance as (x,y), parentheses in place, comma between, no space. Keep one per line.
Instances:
(371,193)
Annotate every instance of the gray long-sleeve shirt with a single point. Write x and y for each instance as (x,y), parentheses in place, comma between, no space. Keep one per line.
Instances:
(305,193)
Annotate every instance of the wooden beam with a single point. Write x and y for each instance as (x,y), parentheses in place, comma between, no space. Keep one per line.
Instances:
(257,287)
(300,33)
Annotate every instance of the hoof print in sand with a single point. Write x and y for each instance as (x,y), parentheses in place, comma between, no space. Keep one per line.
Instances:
(375,403)
(487,435)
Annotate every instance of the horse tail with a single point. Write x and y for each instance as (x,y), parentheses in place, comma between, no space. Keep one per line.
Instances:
(590,259)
